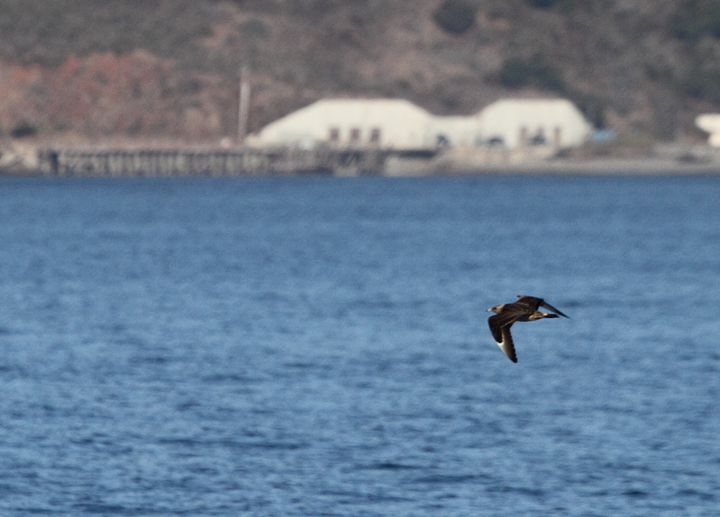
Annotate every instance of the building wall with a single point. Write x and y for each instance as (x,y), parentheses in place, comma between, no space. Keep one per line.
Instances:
(383,123)
(460,132)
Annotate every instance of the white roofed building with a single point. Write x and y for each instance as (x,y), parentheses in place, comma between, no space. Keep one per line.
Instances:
(381,123)
(400,125)
(522,122)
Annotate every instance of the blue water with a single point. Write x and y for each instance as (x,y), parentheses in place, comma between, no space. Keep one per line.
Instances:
(319,346)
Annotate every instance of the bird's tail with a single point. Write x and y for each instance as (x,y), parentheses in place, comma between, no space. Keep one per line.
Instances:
(548,306)
(539,315)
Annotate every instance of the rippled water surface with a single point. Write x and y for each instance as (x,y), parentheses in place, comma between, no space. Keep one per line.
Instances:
(319,346)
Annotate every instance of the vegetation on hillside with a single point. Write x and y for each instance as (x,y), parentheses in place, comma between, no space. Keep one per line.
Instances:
(47,32)
(634,66)
(455,16)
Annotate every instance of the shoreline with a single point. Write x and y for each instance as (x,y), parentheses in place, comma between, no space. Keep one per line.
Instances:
(606,167)
(27,161)
(596,167)
(645,166)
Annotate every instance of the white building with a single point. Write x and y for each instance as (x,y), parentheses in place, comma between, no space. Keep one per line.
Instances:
(382,123)
(522,122)
(399,124)
(710,123)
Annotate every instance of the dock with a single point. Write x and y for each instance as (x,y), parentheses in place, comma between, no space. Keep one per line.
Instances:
(103,162)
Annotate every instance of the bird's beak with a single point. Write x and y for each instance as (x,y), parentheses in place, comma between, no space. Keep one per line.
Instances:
(489,310)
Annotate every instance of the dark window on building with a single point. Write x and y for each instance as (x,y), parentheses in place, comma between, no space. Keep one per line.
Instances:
(375,135)
(334,134)
(523,135)
(355,134)
(539,137)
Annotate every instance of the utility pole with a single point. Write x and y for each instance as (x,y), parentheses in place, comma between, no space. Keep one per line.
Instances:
(243,104)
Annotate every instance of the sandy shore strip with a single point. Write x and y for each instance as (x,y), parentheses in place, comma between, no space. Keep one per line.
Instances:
(605,166)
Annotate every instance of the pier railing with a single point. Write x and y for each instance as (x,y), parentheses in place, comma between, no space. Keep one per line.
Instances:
(212,162)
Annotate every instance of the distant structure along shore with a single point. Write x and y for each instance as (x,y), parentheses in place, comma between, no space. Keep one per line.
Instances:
(400,125)
(353,137)
(209,162)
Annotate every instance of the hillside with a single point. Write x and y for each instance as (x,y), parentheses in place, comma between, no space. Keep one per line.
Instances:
(168,68)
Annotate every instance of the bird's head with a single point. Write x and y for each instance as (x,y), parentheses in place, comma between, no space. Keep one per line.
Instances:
(496,309)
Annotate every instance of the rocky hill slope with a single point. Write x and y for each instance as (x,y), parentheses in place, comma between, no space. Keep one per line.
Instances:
(169,68)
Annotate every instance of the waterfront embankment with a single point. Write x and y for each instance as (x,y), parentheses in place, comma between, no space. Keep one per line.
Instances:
(162,161)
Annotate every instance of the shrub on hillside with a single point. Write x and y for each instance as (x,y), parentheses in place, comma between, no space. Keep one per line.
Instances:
(47,32)
(514,73)
(535,71)
(593,107)
(695,19)
(455,16)
(702,82)
(24,129)
(547,4)
(542,4)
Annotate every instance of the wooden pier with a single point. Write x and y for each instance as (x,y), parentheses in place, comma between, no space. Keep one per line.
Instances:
(103,162)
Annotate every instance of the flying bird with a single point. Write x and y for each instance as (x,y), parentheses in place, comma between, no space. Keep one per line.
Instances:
(525,309)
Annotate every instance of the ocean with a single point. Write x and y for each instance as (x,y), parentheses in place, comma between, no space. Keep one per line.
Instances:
(319,346)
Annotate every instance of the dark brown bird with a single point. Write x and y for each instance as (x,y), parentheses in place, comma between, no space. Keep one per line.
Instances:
(525,309)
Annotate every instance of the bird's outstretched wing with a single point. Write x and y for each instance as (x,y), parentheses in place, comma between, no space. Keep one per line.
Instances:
(507,345)
(533,303)
(530,303)
(499,321)
(500,328)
